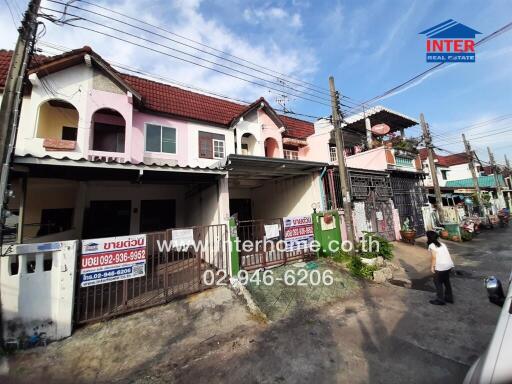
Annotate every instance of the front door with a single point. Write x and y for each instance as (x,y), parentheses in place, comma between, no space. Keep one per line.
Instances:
(107,218)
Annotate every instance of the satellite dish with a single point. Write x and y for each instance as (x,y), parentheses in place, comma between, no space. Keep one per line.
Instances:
(381,129)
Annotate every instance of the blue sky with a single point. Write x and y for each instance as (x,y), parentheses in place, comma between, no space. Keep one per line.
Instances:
(369,46)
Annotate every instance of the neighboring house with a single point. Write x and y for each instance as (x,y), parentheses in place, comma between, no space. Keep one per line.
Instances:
(450,167)
(386,179)
(456,181)
(101,153)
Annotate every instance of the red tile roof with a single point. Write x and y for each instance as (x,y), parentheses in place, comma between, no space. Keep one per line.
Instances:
(446,161)
(168,99)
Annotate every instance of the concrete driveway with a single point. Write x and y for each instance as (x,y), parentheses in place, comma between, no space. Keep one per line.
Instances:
(378,334)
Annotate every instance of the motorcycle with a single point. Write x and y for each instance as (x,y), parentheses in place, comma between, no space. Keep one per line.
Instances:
(504,216)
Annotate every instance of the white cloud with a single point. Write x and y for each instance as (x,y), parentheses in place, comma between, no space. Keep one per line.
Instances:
(185,17)
(262,16)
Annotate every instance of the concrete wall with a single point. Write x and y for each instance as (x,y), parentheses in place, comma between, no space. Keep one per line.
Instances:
(374,159)
(41,301)
(318,147)
(289,197)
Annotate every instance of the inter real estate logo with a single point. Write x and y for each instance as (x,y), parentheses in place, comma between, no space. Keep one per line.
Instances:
(451,42)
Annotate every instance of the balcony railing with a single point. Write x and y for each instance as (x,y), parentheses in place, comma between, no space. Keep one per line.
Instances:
(108,157)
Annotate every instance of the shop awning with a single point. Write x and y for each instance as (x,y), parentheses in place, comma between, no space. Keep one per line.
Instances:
(260,169)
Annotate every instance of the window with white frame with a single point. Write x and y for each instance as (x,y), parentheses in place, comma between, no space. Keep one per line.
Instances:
(160,138)
(291,154)
(333,155)
(218,149)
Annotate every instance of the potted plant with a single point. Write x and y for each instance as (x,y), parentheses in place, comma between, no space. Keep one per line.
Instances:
(407,232)
(445,234)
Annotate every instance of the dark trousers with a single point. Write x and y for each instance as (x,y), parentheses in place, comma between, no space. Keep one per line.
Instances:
(443,286)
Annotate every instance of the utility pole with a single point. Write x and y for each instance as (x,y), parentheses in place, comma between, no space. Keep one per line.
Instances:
(337,117)
(506,162)
(10,110)
(12,97)
(432,166)
(495,172)
(471,157)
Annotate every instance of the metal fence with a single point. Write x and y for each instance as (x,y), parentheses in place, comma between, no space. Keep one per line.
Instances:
(262,252)
(170,273)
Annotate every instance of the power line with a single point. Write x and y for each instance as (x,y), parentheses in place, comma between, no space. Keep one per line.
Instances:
(474,126)
(50,17)
(254,66)
(175,82)
(484,40)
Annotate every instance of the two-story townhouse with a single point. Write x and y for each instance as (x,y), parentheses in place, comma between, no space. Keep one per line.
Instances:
(384,170)
(102,153)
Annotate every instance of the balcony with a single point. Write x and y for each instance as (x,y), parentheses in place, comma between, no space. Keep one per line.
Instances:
(396,154)
(108,138)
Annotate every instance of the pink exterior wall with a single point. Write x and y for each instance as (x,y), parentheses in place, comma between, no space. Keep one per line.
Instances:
(317,149)
(374,159)
(138,145)
(270,129)
(119,102)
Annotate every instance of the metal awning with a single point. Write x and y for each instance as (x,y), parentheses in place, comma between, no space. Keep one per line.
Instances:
(257,169)
(378,115)
(84,170)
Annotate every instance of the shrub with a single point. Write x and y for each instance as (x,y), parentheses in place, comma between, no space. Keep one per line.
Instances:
(341,257)
(368,249)
(359,269)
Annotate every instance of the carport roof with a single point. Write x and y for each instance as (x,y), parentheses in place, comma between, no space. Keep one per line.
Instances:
(263,168)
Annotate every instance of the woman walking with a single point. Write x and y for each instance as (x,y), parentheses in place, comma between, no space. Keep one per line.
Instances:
(441,267)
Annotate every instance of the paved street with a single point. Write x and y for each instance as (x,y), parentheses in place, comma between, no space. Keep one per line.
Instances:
(381,334)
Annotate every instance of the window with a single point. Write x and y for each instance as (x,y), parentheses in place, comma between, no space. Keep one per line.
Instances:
(218,149)
(444,174)
(211,145)
(69,133)
(403,161)
(291,154)
(160,139)
(332,153)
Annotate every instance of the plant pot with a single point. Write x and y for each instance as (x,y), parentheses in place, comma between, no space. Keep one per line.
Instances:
(445,234)
(408,235)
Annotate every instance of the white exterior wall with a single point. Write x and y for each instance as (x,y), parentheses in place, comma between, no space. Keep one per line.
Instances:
(455,172)
(193,143)
(71,85)
(289,197)
(41,301)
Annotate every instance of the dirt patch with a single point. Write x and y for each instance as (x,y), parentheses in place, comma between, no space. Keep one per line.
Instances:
(281,298)
(132,346)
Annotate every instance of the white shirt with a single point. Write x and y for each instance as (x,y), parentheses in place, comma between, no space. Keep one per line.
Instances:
(443,260)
